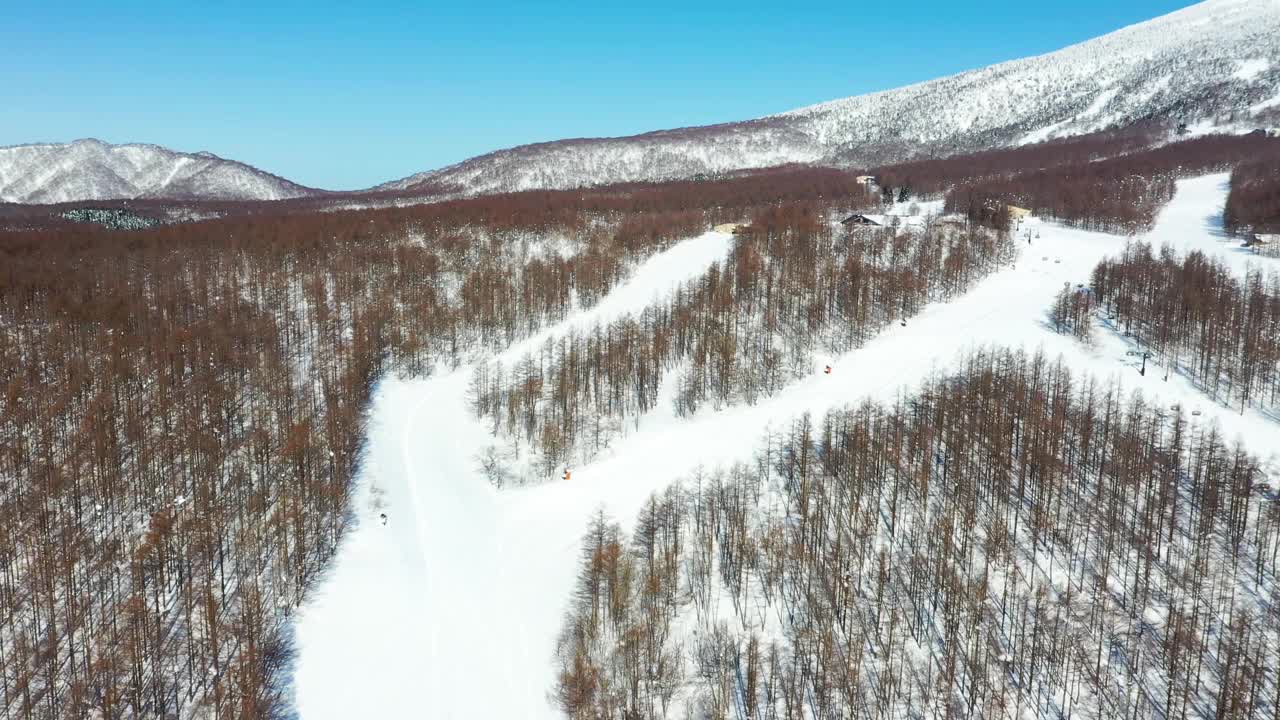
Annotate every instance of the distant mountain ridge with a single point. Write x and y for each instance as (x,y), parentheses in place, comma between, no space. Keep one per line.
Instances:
(94,170)
(1215,64)
(1218,58)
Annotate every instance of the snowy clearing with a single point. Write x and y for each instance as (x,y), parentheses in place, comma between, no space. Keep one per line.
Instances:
(1251,68)
(1265,104)
(451,609)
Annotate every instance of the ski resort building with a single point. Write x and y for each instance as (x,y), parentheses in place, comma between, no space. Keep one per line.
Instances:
(951,220)
(1017,213)
(1264,244)
(856,220)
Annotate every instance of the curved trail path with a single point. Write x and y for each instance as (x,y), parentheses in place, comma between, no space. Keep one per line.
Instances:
(452,609)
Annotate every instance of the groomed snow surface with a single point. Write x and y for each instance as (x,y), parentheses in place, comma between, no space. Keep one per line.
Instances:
(451,609)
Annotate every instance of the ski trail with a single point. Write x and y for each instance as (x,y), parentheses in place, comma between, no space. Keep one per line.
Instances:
(416,619)
(1008,308)
(1193,221)
(464,596)
(654,279)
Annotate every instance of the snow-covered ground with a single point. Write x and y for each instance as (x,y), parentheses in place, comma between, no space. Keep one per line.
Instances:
(1194,222)
(451,609)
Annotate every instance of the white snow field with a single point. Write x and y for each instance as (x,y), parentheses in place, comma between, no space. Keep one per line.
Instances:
(451,610)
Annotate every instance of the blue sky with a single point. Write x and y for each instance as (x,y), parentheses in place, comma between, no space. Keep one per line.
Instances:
(345,97)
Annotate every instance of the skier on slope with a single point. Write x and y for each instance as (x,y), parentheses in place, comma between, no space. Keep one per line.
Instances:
(383,516)
(566,473)
(827,370)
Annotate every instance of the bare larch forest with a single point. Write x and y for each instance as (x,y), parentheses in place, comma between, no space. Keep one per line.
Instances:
(182,409)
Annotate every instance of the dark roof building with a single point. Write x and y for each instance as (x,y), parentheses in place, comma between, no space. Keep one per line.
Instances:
(858,220)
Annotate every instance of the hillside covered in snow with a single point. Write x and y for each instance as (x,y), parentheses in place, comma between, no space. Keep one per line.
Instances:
(94,170)
(1215,64)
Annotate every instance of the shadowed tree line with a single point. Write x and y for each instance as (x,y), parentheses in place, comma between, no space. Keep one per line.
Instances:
(1253,203)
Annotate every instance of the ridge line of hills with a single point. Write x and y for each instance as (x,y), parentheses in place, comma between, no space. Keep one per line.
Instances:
(1214,66)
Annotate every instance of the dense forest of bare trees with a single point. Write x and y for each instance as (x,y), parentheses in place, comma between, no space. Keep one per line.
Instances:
(1253,203)
(180,427)
(181,407)
(791,287)
(1009,541)
(181,415)
(935,176)
(1195,316)
(1115,194)
(724,197)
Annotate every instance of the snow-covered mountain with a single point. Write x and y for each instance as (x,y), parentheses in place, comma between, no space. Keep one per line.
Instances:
(1215,63)
(94,170)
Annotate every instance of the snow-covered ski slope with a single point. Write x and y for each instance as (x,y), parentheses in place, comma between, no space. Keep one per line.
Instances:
(452,609)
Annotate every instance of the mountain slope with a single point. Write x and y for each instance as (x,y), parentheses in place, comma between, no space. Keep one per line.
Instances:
(94,170)
(1215,63)
(1218,61)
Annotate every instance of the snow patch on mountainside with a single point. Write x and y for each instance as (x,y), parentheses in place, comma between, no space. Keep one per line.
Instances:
(1265,104)
(1044,133)
(1251,68)
(94,170)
